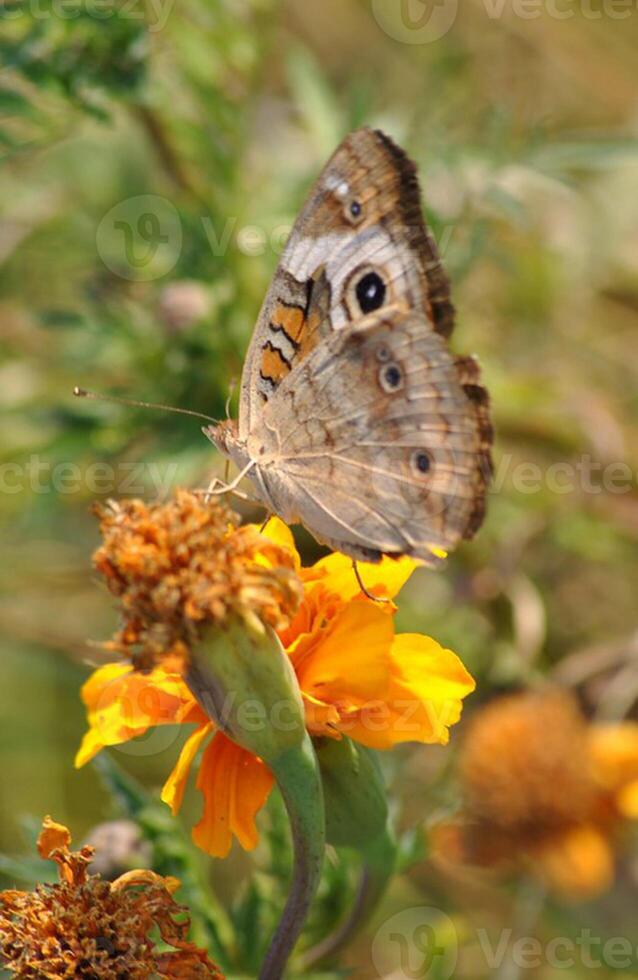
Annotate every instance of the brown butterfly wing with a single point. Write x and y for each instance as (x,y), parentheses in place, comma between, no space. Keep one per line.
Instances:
(380,441)
(360,243)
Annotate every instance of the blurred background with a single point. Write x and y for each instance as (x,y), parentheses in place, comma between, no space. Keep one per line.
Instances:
(153,160)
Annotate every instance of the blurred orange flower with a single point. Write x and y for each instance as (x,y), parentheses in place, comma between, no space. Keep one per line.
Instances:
(84,926)
(356,678)
(545,791)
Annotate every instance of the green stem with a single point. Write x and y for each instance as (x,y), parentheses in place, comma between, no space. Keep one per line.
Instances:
(297,774)
(242,665)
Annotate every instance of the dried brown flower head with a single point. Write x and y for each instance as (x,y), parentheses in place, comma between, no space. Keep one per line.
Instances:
(88,929)
(544,791)
(180,566)
(524,763)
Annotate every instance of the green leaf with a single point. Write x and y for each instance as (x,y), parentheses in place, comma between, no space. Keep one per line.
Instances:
(315,99)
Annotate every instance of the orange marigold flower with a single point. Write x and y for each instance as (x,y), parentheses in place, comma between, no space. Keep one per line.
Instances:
(545,790)
(85,927)
(355,675)
(179,566)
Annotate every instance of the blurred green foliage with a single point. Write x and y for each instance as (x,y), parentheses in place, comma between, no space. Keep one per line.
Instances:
(525,135)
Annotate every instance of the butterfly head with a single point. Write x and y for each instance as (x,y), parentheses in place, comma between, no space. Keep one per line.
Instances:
(225,437)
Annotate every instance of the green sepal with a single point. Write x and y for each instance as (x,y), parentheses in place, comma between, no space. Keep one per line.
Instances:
(243,679)
(354,793)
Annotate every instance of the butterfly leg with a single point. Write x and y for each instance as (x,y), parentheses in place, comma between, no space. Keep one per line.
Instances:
(219,487)
(368,595)
(215,482)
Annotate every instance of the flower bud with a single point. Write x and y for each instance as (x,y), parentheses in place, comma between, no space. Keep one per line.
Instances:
(355,797)
(244,681)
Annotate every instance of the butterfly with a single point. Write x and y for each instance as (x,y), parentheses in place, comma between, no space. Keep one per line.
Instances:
(355,419)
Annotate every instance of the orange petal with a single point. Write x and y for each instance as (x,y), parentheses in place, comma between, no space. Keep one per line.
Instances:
(614,749)
(142,876)
(384,579)
(321,719)
(123,704)
(175,785)
(53,837)
(578,863)
(423,700)
(235,785)
(350,661)
(627,801)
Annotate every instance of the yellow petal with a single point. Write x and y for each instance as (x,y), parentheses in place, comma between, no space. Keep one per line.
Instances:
(424,698)
(385,579)
(280,534)
(578,863)
(99,681)
(90,746)
(175,785)
(428,669)
(123,704)
(350,661)
(235,785)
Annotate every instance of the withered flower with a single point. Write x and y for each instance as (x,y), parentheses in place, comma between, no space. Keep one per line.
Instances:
(84,927)
(180,566)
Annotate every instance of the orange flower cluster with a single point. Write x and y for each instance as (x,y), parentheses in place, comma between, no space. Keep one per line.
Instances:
(355,675)
(85,927)
(180,566)
(546,791)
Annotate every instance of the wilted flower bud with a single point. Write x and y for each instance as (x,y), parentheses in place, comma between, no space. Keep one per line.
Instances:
(119,846)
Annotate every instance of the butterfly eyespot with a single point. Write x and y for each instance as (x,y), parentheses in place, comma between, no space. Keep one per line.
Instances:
(383,353)
(421,462)
(371,292)
(391,377)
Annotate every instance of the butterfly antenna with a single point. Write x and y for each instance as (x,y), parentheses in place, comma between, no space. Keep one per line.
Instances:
(134,403)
